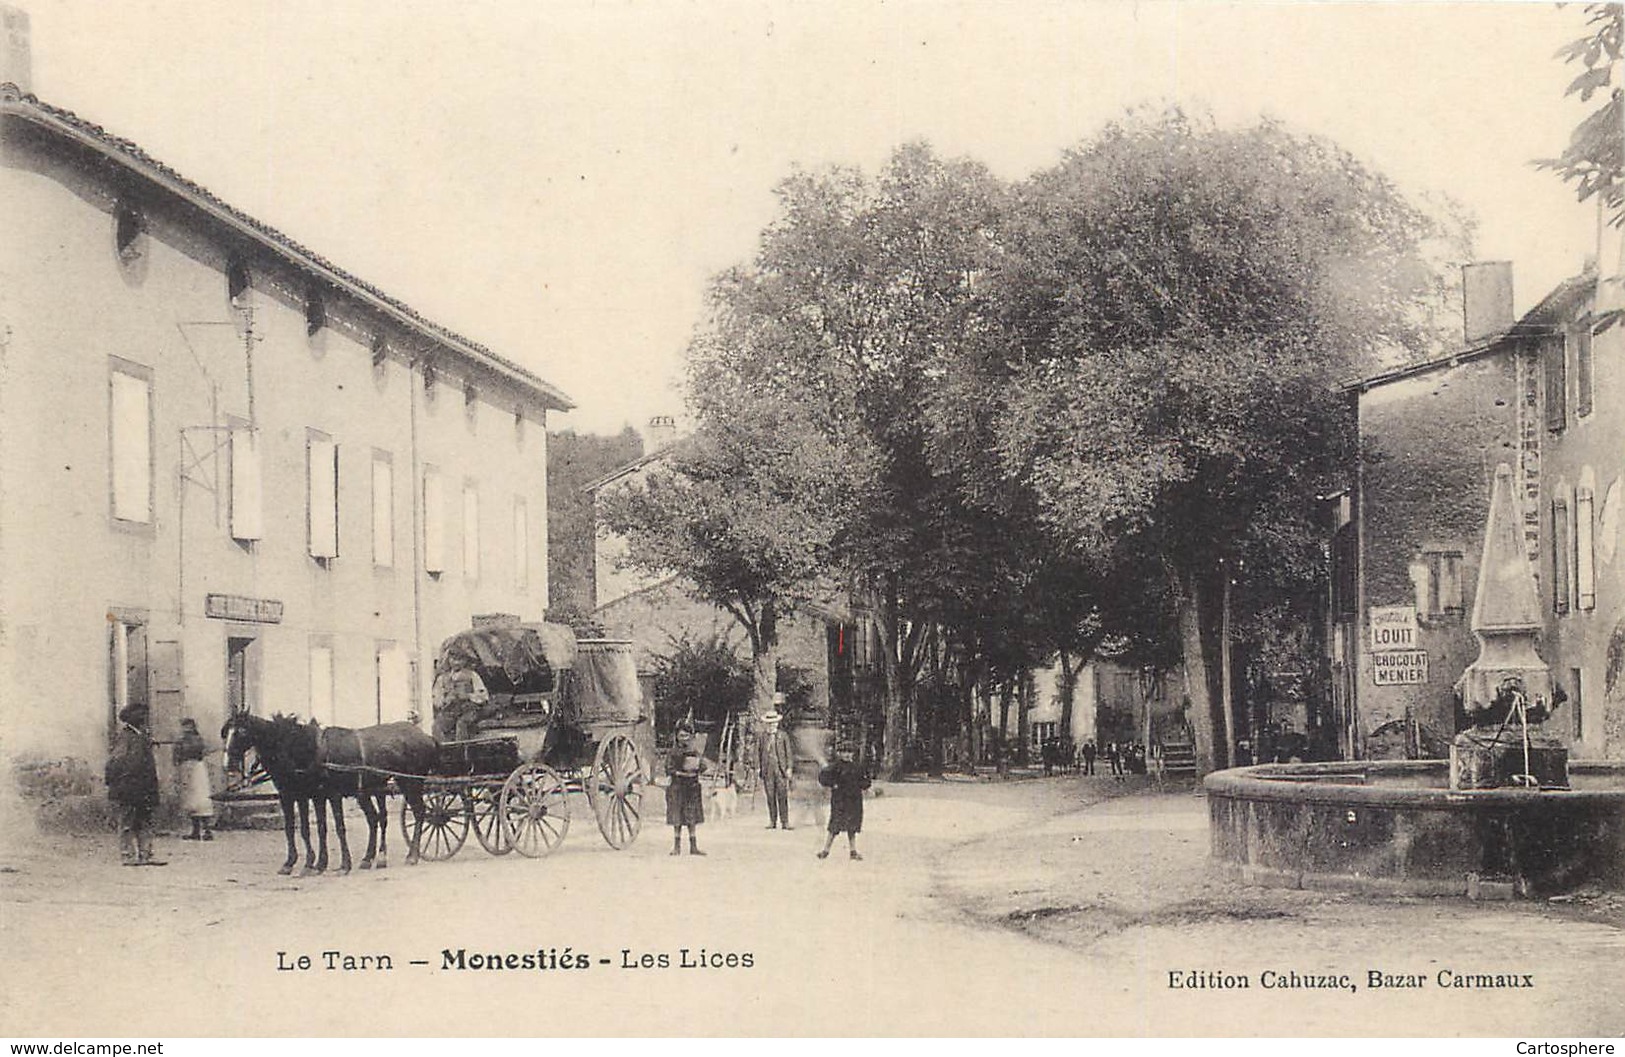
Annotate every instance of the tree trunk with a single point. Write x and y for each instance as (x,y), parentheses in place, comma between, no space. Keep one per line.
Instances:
(1002,746)
(1024,710)
(1198,690)
(1068,688)
(764,659)
(1227,702)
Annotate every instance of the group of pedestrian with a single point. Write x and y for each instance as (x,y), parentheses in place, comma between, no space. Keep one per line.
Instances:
(131,776)
(775,767)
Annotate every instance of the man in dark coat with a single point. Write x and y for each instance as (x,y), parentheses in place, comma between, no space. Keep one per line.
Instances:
(132,786)
(774,765)
(846,781)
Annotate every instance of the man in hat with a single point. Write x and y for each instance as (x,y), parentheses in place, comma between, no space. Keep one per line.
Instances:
(774,765)
(132,785)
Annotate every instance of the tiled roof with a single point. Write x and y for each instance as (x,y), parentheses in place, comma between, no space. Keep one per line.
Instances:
(30,107)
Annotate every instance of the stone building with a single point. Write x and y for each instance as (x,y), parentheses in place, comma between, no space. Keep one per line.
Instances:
(231,473)
(1546,396)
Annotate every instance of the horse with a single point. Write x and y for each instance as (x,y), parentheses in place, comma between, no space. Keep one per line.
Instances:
(361,762)
(328,764)
(287,749)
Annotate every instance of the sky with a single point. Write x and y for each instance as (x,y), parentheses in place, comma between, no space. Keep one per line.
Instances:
(559,180)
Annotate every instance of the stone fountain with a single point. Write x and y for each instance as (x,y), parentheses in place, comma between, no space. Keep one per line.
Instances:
(1507,814)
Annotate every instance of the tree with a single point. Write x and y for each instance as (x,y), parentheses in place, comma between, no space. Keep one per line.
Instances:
(858,297)
(1184,301)
(1593,158)
(744,510)
(573,461)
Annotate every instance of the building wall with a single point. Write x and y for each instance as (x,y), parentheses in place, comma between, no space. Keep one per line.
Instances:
(1430,445)
(71,307)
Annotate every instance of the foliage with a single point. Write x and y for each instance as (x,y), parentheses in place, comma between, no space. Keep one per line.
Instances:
(1592,160)
(700,677)
(573,461)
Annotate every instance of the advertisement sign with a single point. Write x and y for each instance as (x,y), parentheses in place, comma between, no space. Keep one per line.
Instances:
(1393,628)
(1399,667)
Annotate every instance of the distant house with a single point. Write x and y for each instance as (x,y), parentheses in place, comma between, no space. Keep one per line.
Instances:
(1546,396)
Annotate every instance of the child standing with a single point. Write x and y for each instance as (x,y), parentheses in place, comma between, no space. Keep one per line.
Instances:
(846,782)
(193,776)
(685,803)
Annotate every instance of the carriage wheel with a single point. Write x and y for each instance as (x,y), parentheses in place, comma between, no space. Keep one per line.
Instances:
(535,810)
(615,789)
(485,812)
(445,824)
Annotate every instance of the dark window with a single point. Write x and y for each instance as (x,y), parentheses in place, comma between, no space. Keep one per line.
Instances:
(1444,595)
(1555,356)
(1576,703)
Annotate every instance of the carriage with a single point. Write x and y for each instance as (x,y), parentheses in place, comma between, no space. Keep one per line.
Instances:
(526,717)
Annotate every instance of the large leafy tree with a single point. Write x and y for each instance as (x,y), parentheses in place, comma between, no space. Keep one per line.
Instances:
(853,308)
(1184,301)
(745,510)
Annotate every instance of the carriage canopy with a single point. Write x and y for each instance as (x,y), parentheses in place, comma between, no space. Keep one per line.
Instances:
(607,687)
(520,659)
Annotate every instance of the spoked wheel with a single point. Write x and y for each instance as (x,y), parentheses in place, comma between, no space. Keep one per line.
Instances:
(615,790)
(485,813)
(445,824)
(535,810)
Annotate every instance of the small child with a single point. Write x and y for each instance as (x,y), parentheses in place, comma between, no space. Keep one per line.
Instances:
(846,782)
(193,776)
(685,800)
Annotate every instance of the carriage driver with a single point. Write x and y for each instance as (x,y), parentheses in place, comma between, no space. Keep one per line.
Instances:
(460,698)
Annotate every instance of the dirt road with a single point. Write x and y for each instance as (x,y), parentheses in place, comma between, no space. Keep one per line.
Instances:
(1032,907)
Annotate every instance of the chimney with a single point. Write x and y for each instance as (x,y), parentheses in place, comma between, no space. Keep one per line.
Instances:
(1486,299)
(662,432)
(16,66)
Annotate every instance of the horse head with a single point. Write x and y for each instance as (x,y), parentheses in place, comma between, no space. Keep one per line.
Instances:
(237,735)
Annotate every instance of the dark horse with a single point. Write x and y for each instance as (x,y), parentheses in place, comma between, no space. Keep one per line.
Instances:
(308,762)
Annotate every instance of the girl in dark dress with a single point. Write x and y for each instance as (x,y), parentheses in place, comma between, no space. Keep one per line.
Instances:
(685,804)
(846,782)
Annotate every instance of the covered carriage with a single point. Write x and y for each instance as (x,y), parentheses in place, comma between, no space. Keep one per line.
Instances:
(527,715)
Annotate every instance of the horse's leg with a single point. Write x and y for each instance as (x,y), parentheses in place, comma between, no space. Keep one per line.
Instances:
(320,803)
(304,832)
(338,828)
(381,809)
(372,829)
(412,793)
(287,802)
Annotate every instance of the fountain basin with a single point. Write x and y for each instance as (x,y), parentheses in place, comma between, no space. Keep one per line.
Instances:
(1396,827)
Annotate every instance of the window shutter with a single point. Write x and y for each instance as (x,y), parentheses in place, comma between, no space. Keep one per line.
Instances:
(132,447)
(1582,369)
(434,522)
(1585,568)
(1556,355)
(394,684)
(383,510)
(471,532)
(1562,545)
(323,457)
(521,543)
(247,522)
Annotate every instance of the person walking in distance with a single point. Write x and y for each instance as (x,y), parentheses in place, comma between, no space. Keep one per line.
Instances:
(1089,757)
(846,781)
(132,785)
(775,766)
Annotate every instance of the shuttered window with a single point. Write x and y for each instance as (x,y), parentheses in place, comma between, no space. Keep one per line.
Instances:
(1562,545)
(1555,356)
(1582,369)
(521,543)
(130,440)
(247,521)
(434,521)
(471,531)
(1585,564)
(322,494)
(383,509)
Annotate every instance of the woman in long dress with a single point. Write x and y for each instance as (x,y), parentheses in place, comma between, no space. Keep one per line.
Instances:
(193,775)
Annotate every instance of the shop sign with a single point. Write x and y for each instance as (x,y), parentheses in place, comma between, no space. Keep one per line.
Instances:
(1393,627)
(1399,667)
(241,607)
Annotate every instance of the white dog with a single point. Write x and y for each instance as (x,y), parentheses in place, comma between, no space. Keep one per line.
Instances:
(722,803)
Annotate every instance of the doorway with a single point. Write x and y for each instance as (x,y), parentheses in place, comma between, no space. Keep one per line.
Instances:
(243,673)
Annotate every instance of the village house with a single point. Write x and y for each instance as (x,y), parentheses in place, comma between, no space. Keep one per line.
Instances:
(232,474)
(1544,395)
